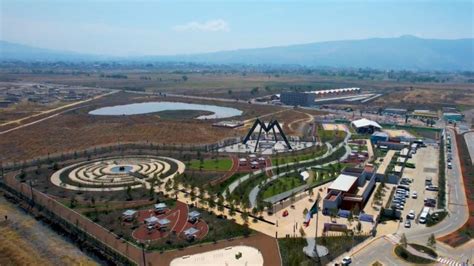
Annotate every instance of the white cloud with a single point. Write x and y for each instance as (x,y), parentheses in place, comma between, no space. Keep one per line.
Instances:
(210,25)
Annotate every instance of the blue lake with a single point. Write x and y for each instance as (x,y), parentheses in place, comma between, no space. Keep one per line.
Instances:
(152,107)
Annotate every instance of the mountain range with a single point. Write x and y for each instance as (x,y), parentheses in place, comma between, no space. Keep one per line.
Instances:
(405,52)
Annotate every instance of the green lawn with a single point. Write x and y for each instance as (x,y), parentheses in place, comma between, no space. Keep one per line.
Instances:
(282,184)
(221,164)
(316,152)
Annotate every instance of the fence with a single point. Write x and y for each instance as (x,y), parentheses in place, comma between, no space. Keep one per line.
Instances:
(109,244)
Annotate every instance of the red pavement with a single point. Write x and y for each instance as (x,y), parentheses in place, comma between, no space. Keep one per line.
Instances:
(228,174)
(178,222)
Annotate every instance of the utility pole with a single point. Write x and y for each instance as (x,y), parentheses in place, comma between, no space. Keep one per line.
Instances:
(317,258)
(143,254)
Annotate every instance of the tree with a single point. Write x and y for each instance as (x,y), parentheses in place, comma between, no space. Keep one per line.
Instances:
(302,232)
(231,210)
(245,216)
(305,211)
(403,240)
(358,227)
(129,192)
(333,213)
(350,219)
(432,241)
(254,211)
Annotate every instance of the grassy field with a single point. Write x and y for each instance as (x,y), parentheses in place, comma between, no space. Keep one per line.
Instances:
(308,154)
(281,185)
(222,186)
(220,164)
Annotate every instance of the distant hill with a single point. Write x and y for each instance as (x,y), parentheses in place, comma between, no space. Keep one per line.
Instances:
(405,52)
(14,51)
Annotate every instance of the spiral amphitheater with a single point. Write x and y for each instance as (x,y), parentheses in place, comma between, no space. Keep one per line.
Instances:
(116,173)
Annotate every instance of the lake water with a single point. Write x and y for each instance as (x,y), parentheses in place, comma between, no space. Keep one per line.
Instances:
(152,107)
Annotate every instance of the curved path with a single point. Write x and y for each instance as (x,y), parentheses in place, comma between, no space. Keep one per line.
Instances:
(330,150)
(254,192)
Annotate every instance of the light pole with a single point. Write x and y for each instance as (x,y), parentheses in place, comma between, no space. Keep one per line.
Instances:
(143,253)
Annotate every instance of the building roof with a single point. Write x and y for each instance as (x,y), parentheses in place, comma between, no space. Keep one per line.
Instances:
(193,214)
(397,169)
(364,122)
(129,212)
(164,221)
(343,182)
(152,220)
(404,152)
(451,114)
(304,175)
(395,109)
(191,231)
(380,134)
(160,205)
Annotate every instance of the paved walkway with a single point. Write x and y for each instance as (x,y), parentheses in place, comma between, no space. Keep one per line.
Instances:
(386,161)
(469,137)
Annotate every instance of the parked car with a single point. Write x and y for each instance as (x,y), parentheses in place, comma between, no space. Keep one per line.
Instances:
(407,224)
(450,166)
(346,261)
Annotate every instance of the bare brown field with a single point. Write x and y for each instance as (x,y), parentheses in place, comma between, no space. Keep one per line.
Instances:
(239,85)
(77,129)
(429,96)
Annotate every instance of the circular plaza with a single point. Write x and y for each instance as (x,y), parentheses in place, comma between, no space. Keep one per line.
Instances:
(116,173)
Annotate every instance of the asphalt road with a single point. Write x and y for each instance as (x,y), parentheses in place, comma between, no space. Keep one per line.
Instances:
(381,249)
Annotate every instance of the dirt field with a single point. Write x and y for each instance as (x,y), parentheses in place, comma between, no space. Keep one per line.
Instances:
(77,130)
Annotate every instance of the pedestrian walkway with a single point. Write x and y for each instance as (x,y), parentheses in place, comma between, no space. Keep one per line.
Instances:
(449,261)
(395,239)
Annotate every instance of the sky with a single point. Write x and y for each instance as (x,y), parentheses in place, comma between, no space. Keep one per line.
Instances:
(130,28)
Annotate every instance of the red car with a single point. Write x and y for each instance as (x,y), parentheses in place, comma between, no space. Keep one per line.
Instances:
(285,213)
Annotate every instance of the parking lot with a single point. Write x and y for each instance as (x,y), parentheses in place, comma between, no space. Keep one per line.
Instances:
(426,167)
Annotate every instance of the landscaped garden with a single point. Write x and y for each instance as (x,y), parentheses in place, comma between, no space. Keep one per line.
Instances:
(402,253)
(217,164)
(308,154)
(218,227)
(291,248)
(292,181)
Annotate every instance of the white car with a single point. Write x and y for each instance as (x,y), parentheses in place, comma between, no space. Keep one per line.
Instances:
(346,261)
(414,195)
(407,224)
(411,214)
